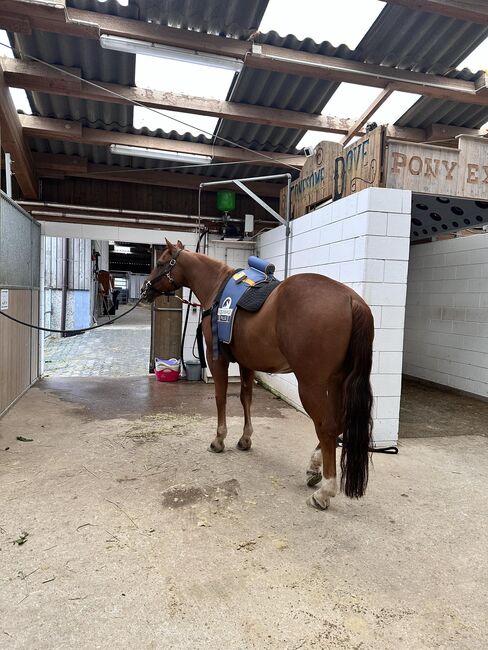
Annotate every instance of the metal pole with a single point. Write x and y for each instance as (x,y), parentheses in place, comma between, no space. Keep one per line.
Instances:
(64,294)
(287,225)
(8,174)
(247,180)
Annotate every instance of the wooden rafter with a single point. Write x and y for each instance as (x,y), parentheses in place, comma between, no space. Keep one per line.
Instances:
(372,108)
(39,78)
(12,142)
(60,166)
(87,24)
(67,131)
(475,11)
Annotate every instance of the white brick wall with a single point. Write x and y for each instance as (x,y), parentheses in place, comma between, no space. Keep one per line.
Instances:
(446,326)
(363,241)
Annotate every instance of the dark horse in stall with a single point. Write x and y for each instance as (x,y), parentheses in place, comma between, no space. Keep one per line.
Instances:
(310,325)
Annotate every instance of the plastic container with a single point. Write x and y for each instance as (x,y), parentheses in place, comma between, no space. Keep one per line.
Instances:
(167,369)
(193,370)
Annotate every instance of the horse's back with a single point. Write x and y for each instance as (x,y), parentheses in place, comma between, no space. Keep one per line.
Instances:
(306,319)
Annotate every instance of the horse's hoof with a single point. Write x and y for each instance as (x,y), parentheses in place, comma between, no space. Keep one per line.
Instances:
(216,448)
(314,503)
(244,445)
(313,478)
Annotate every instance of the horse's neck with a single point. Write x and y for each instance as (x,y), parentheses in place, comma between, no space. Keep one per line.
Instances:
(205,276)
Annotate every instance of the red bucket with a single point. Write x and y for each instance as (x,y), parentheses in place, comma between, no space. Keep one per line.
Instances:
(167,369)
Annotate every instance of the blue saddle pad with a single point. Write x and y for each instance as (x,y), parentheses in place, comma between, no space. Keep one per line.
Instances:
(235,288)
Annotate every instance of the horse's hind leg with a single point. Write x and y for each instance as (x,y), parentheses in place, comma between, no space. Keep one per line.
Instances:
(247,380)
(314,471)
(220,376)
(324,407)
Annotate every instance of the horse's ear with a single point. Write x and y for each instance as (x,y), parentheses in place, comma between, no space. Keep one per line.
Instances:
(170,246)
(180,245)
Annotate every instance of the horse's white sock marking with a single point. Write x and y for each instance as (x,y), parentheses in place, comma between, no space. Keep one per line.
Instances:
(315,462)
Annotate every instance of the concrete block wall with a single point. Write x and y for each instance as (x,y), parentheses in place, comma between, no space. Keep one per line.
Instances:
(363,241)
(446,326)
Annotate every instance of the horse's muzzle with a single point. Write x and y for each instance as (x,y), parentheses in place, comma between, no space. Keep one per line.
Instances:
(147,292)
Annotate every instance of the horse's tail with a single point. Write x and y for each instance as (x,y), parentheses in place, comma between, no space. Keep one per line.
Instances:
(358,402)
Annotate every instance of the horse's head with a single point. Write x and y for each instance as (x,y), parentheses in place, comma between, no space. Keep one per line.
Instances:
(165,278)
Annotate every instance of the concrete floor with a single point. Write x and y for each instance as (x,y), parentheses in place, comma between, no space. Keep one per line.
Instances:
(139,538)
(118,350)
(428,410)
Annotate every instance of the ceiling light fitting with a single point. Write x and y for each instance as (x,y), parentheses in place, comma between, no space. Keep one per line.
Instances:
(158,154)
(132,46)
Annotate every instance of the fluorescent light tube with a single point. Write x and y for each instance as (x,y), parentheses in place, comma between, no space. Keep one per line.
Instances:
(159,154)
(166,52)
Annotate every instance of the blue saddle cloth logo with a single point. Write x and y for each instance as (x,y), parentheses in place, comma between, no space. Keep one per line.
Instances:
(259,271)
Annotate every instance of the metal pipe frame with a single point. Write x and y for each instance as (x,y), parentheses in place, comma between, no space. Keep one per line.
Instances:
(286,222)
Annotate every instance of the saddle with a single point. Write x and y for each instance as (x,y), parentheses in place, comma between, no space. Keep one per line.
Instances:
(246,289)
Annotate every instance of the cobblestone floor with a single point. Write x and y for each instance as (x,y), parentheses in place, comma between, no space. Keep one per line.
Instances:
(118,350)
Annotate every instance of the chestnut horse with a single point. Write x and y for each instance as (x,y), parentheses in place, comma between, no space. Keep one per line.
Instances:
(310,325)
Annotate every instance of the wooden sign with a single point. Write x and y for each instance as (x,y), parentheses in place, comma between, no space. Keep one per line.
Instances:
(360,165)
(333,172)
(461,172)
(315,183)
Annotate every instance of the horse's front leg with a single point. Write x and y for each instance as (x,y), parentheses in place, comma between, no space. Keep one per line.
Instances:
(220,376)
(247,380)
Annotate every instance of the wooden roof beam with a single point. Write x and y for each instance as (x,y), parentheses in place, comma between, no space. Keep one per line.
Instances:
(12,142)
(89,24)
(60,165)
(67,131)
(39,78)
(372,108)
(475,11)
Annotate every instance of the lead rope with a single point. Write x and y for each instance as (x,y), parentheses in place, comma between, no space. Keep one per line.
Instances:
(77,331)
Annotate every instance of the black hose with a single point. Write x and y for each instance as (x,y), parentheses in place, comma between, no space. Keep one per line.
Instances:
(78,331)
(188,307)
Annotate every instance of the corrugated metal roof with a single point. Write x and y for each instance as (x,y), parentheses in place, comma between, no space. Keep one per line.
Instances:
(94,63)
(428,110)
(419,41)
(399,37)
(427,42)
(102,155)
(223,17)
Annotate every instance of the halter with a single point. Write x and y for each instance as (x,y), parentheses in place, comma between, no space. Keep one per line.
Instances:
(165,272)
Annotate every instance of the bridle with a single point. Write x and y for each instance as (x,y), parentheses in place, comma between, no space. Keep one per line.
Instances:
(164,272)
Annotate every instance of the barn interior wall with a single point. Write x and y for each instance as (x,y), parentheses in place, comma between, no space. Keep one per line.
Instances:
(446,324)
(129,196)
(20,276)
(78,300)
(363,241)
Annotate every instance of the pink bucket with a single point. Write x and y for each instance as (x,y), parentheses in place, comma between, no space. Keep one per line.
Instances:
(167,369)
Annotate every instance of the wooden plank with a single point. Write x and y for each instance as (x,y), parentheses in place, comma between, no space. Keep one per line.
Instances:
(423,168)
(475,11)
(12,141)
(331,68)
(58,165)
(15,348)
(37,77)
(51,128)
(360,165)
(440,170)
(316,181)
(372,108)
(86,24)
(17,24)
